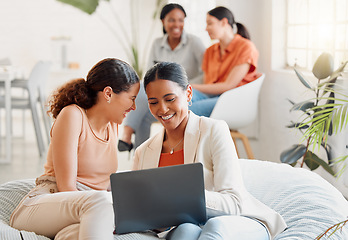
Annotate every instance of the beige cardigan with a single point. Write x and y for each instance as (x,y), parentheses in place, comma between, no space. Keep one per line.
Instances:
(209,141)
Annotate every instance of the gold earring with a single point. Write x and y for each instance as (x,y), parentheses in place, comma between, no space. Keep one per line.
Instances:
(109,100)
(190,103)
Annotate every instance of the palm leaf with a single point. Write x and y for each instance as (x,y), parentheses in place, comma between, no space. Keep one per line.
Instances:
(342,162)
(319,122)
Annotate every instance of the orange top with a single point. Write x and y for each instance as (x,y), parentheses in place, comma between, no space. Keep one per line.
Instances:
(168,159)
(96,158)
(239,51)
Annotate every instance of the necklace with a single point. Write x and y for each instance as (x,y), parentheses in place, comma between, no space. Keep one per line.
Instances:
(172,148)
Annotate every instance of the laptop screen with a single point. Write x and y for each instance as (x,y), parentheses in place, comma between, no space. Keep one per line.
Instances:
(158,198)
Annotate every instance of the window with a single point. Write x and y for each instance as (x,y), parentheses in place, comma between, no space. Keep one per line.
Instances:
(313,27)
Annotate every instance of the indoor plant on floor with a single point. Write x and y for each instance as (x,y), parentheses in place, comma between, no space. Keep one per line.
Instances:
(323,115)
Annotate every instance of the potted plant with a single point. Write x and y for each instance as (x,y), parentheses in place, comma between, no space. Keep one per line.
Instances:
(129,44)
(323,115)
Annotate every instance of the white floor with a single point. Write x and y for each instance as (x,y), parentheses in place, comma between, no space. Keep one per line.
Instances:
(26,162)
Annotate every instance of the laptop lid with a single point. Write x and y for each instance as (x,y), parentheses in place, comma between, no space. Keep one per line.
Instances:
(158,198)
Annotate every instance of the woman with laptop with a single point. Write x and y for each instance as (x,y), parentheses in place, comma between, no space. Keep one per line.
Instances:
(81,156)
(188,138)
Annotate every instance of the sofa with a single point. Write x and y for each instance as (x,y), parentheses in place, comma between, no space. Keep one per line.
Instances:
(307,202)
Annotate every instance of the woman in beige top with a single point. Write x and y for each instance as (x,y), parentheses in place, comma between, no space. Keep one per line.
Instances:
(81,156)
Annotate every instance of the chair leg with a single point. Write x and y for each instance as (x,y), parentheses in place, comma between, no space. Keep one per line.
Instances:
(37,127)
(245,140)
(23,123)
(46,118)
(235,144)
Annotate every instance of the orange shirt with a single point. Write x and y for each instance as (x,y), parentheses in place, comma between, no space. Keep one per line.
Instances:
(168,159)
(96,158)
(239,51)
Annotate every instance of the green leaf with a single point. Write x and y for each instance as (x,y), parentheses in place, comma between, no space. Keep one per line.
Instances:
(297,125)
(303,106)
(87,6)
(312,160)
(332,118)
(306,83)
(341,161)
(292,154)
(292,102)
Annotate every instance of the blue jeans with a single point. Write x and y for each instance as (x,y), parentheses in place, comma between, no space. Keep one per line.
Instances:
(222,228)
(140,119)
(203,104)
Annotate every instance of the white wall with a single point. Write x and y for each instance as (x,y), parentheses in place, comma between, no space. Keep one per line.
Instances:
(27,27)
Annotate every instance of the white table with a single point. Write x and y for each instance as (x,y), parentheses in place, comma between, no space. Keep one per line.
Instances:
(7,76)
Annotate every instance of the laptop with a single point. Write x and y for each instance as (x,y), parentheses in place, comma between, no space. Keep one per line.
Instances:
(158,198)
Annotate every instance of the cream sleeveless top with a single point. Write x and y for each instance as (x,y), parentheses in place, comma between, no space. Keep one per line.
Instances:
(97,158)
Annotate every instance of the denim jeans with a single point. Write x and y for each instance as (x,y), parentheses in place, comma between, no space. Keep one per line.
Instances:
(140,119)
(222,228)
(203,104)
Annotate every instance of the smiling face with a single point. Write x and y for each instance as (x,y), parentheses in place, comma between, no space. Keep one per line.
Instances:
(122,103)
(168,103)
(174,22)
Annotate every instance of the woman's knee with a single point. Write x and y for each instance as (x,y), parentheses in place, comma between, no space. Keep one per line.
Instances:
(70,232)
(96,199)
(233,227)
(187,231)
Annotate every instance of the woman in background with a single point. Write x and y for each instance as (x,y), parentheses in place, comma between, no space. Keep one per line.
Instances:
(188,138)
(81,156)
(230,63)
(175,46)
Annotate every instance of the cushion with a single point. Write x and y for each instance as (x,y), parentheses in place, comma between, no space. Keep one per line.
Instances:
(11,194)
(307,202)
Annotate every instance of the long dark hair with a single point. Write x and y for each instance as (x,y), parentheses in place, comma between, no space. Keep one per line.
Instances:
(168,8)
(222,12)
(168,71)
(117,74)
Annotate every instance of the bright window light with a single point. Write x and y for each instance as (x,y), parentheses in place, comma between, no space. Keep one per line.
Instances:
(313,27)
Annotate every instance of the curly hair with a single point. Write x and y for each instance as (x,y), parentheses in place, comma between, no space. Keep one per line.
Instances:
(117,74)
